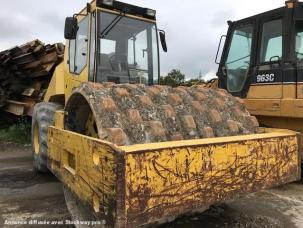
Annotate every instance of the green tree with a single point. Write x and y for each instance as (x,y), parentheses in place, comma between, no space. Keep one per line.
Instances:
(174,78)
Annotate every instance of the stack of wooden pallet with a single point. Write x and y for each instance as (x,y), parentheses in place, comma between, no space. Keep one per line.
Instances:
(25,73)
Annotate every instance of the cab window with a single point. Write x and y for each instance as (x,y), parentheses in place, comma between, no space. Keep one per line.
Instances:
(238,59)
(271,44)
(299,40)
(138,57)
(78,48)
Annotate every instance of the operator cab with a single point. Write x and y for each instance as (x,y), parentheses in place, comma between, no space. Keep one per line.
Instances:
(116,41)
(265,50)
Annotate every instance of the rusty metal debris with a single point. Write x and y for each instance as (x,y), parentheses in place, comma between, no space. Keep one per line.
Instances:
(26,70)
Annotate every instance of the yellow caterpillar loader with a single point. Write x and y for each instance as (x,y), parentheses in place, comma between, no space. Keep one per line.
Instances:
(132,153)
(262,63)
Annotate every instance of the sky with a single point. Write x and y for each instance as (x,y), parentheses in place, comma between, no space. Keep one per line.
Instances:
(193,27)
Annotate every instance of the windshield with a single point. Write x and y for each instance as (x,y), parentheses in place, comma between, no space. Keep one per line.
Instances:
(127,50)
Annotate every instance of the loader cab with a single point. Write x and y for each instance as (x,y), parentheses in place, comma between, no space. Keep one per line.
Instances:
(262,59)
(111,41)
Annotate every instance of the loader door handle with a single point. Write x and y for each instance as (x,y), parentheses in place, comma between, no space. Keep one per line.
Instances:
(224,70)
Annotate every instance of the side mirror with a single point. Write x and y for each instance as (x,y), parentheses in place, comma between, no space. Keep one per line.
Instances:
(71,28)
(163,40)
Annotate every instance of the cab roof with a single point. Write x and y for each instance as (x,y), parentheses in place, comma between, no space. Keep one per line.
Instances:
(127,9)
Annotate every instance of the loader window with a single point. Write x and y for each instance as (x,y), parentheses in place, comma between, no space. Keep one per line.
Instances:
(238,60)
(72,48)
(108,47)
(78,48)
(299,40)
(271,46)
(137,58)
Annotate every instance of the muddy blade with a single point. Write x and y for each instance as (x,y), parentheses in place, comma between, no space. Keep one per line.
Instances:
(159,157)
(144,184)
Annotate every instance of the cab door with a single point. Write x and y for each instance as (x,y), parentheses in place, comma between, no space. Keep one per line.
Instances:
(299,58)
(78,52)
(267,78)
(238,58)
(252,65)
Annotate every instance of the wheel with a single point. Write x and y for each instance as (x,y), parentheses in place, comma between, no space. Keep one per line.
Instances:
(43,117)
(137,114)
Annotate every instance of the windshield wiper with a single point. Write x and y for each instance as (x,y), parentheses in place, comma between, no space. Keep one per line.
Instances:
(111,25)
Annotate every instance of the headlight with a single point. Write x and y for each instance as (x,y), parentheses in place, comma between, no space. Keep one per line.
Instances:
(108,2)
(150,12)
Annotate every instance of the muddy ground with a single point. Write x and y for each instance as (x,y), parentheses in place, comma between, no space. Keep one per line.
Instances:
(28,196)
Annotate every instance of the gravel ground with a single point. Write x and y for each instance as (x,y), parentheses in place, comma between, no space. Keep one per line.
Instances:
(25,196)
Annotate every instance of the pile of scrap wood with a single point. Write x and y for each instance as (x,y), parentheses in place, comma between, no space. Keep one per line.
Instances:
(25,73)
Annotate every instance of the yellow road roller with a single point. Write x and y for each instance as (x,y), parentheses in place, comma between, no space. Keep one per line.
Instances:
(132,153)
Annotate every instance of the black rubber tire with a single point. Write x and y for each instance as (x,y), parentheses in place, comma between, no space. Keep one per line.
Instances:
(43,117)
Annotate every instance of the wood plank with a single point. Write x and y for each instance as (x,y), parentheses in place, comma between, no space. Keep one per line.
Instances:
(21,65)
